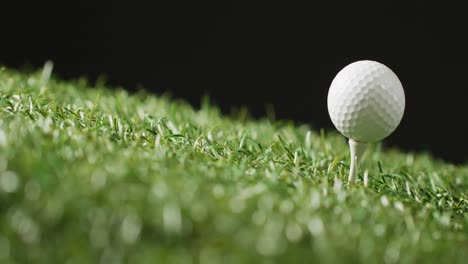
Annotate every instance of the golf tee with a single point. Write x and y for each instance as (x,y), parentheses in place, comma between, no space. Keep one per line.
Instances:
(356,149)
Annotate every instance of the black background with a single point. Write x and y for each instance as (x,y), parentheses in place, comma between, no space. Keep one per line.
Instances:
(250,54)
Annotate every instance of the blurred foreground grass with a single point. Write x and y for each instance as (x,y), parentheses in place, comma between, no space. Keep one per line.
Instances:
(97,175)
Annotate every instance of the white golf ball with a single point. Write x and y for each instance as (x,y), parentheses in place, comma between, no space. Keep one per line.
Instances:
(366,101)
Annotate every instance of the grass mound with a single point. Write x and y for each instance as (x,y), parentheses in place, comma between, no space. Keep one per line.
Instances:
(97,175)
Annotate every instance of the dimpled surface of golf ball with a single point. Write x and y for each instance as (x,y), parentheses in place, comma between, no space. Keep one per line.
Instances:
(366,101)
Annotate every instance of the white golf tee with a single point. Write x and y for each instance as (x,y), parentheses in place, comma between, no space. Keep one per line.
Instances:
(356,149)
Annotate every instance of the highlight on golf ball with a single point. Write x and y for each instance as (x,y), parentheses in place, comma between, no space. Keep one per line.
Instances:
(366,101)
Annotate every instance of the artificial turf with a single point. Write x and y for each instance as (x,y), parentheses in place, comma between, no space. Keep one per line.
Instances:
(90,174)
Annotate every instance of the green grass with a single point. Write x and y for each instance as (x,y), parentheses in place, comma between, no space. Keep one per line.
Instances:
(90,174)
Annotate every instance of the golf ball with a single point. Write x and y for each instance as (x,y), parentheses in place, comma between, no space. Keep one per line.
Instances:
(366,101)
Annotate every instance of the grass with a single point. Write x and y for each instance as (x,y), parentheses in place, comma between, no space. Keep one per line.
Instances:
(90,174)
